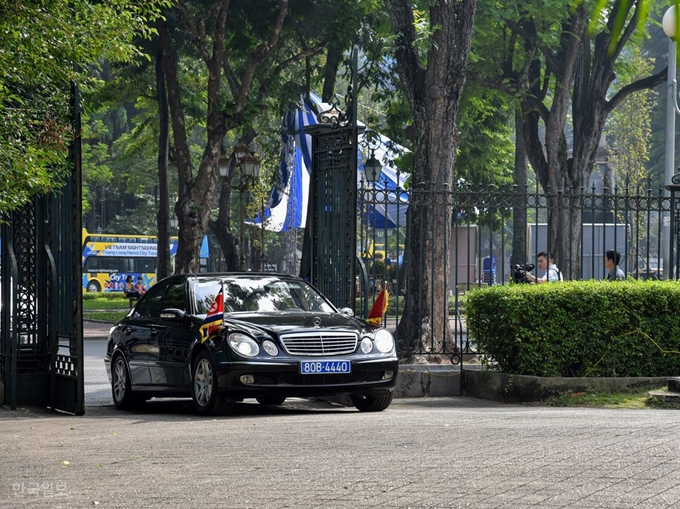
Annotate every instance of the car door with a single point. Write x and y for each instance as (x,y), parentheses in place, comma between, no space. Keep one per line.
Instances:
(137,329)
(171,339)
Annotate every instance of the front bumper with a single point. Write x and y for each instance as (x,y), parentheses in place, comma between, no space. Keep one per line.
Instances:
(367,377)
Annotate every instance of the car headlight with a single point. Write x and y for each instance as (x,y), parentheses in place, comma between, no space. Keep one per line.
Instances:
(366,345)
(384,341)
(270,348)
(243,344)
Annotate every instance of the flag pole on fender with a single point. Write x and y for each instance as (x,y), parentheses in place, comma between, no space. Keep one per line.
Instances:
(377,313)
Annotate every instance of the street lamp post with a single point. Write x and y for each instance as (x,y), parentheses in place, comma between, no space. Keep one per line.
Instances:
(669,28)
(250,169)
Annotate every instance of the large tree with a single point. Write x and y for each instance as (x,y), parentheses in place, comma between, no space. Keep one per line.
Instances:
(561,60)
(245,49)
(431,67)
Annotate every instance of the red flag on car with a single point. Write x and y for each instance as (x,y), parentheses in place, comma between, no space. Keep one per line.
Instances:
(215,317)
(375,317)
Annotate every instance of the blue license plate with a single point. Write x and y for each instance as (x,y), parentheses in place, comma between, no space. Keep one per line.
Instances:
(325,367)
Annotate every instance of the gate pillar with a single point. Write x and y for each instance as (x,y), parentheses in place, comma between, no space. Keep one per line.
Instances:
(329,252)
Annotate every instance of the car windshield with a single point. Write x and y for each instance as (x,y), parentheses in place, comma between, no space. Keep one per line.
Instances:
(259,293)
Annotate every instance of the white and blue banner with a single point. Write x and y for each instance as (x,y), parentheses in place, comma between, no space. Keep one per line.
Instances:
(287,204)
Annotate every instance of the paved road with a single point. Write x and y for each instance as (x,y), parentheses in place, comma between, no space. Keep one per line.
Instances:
(97,386)
(420,453)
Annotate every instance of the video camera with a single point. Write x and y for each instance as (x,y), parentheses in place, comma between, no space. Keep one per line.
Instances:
(519,274)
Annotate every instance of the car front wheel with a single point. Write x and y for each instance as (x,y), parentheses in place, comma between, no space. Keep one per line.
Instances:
(121,389)
(371,403)
(204,390)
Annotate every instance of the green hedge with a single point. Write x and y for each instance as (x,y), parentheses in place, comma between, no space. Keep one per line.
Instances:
(103,295)
(589,328)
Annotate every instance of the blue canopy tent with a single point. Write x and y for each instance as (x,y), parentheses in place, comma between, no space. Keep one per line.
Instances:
(286,208)
(385,204)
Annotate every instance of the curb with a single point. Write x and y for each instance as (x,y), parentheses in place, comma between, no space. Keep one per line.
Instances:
(497,386)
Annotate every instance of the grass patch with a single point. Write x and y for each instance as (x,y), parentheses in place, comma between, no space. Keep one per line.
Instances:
(102,303)
(105,316)
(633,399)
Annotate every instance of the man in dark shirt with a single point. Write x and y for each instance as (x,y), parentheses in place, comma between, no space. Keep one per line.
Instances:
(611,263)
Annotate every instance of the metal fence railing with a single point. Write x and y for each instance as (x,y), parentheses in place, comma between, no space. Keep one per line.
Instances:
(478,250)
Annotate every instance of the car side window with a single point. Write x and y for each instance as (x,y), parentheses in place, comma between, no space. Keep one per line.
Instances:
(175,297)
(150,305)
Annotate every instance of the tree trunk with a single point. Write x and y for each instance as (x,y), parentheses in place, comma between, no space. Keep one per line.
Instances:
(333,59)
(196,194)
(548,154)
(162,220)
(434,94)
(583,70)
(519,213)
(221,226)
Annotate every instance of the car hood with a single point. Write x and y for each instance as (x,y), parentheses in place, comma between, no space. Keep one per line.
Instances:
(280,322)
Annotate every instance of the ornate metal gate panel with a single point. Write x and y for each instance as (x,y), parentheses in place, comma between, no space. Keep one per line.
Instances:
(332,213)
(329,254)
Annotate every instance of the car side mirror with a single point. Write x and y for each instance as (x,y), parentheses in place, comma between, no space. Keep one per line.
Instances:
(346,311)
(173,314)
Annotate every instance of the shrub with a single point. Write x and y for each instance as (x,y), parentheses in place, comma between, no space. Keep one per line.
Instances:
(103,295)
(579,328)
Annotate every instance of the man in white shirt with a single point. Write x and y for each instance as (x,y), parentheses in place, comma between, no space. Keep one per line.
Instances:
(545,263)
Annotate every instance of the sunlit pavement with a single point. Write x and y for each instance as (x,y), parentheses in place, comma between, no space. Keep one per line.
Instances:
(426,452)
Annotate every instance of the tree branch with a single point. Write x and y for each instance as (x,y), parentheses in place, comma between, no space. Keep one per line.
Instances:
(232,79)
(197,35)
(551,61)
(643,84)
(259,55)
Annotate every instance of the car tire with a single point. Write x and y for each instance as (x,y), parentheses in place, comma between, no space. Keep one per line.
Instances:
(271,400)
(204,389)
(93,287)
(121,387)
(371,403)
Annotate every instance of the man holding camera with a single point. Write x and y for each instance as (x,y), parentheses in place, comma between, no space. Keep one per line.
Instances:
(545,263)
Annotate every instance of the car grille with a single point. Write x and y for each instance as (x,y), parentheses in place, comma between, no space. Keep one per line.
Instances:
(320,343)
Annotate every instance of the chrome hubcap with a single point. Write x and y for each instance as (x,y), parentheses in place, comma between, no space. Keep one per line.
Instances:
(119,380)
(203,382)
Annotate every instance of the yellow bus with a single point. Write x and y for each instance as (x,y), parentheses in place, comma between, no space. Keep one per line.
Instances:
(109,258)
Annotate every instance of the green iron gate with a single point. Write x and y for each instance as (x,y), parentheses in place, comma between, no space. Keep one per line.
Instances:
(41,333)
(332,214)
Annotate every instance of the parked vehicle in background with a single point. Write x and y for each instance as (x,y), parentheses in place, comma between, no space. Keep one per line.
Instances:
(220,338)
(649,268)
(109,258)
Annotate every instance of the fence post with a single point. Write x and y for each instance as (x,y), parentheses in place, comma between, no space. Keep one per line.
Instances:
(674,235)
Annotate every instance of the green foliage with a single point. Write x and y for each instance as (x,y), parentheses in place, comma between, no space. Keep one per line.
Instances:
(105,306)
(104,300)
(44,48)
(486,153)
(627,328)
(623,399)
(629,126)
(105,316)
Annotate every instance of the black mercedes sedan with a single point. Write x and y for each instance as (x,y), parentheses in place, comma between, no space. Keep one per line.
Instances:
(220,338)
